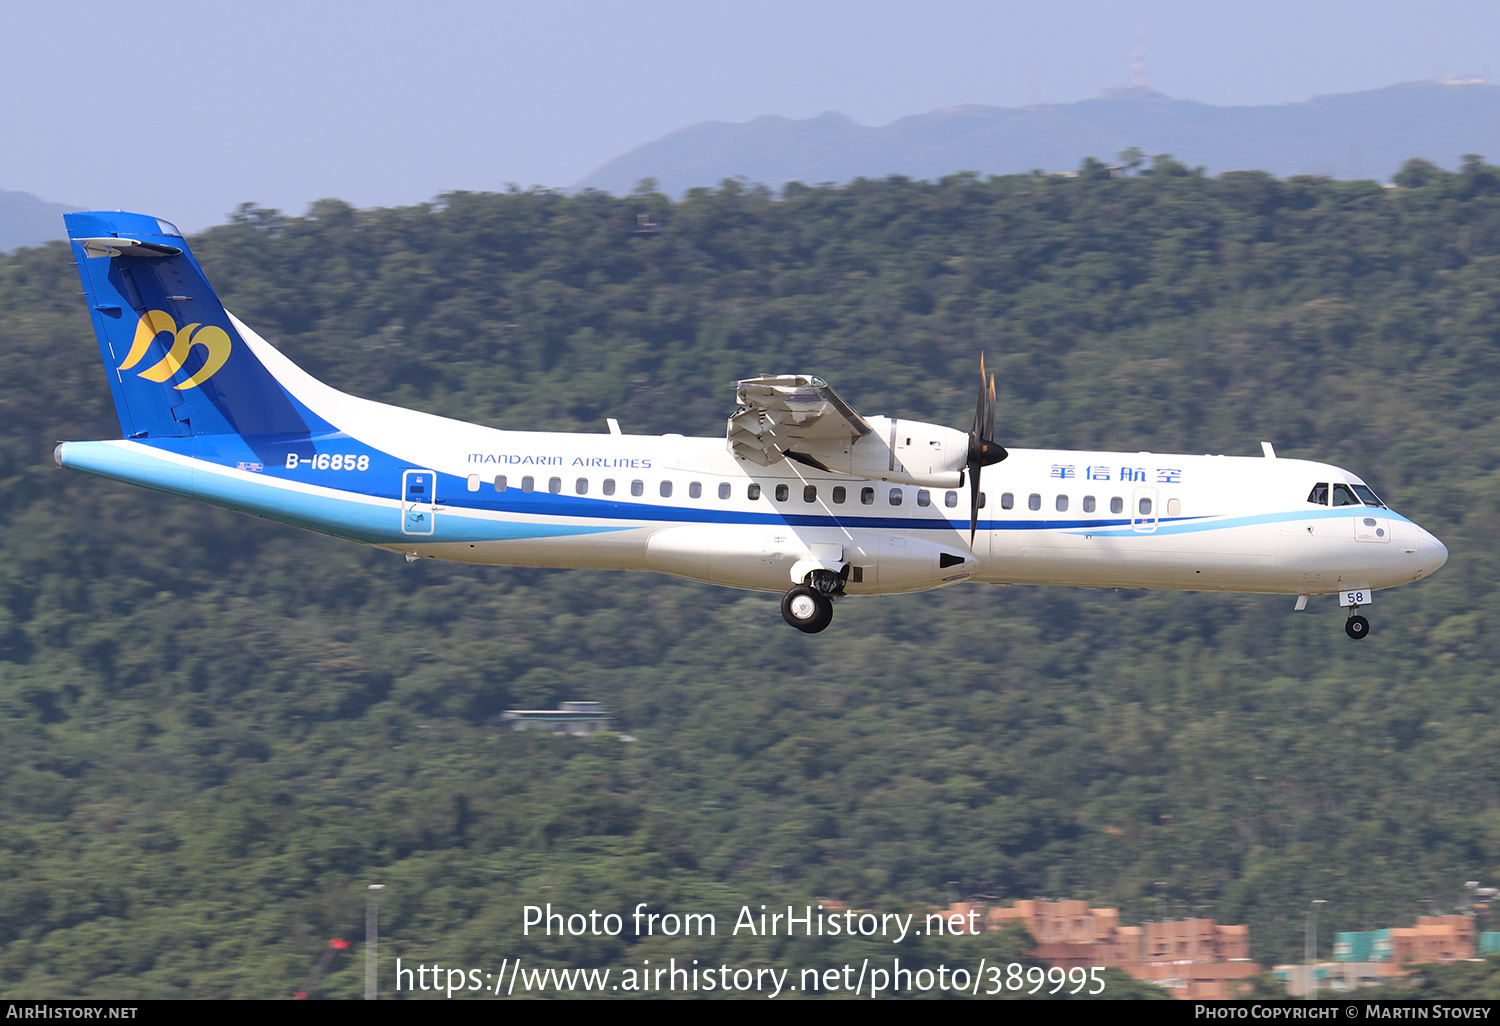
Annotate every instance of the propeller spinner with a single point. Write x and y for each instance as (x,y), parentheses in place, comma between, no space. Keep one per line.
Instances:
(983,449)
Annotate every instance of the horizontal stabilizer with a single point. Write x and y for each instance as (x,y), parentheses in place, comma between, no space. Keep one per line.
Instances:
(113,247)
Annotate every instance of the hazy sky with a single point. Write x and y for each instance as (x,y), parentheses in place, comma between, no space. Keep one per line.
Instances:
(187,109)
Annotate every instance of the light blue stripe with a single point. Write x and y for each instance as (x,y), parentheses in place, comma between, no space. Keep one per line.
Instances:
(377,524)
(1197,525)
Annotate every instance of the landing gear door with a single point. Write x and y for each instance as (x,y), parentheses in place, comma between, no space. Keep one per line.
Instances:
(418,498)
(1143,510)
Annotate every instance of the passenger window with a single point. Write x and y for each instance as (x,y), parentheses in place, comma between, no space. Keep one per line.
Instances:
(724,490)
(637,488)
(984,500)
(867,496)
(1344,496)
(950,499)
(1117,505)
(809,493)
(1088,504)
(1174,507)
(473,482)
(782,493)
(554,485)
(1034,501)
(666,489)
(1319,494)
(839,495)
(695,490)
(924,497)
(895,496)
(753,492)
(1145,507)
(1062,503)
(581,486)
(609,486)
(500,483)
(1007,500)
(528,485)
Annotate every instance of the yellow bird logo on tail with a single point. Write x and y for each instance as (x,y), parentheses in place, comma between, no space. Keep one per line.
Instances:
(153,323)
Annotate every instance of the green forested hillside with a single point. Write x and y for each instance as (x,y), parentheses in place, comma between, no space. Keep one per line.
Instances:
(217,731)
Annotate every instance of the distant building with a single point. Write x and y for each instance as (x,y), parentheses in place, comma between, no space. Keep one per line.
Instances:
(1368,958)
(577,718)
(1335,977)
(1193,959)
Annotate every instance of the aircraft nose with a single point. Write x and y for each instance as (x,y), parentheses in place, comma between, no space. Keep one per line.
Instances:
(1432,555)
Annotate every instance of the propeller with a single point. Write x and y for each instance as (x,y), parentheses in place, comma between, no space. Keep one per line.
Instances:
(983,449)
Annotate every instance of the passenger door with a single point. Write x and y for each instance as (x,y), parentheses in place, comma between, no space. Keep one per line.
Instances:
(418,501)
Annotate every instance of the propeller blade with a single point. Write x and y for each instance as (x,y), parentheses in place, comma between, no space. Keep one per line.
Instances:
(989,417)
(979,409)
(973,502)
(982,448)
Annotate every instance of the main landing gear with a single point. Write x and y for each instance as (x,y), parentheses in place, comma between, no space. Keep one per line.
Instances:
(809,607)
(1357,626)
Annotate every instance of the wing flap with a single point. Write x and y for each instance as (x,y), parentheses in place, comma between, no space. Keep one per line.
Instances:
(790,414)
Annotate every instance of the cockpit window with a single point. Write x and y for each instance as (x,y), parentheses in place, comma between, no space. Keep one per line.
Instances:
(1319,495)
(1344,496)
(1369,497)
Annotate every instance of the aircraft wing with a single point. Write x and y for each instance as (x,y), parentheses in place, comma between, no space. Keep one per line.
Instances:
(791,415)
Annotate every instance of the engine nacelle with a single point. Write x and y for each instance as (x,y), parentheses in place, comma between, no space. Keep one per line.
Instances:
(906,452)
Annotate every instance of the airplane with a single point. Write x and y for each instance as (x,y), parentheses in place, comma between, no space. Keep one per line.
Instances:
(803,495)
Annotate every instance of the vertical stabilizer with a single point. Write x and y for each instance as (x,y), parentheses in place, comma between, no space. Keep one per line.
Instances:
(176,364)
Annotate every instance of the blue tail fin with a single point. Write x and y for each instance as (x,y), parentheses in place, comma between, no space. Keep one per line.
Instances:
(176,363)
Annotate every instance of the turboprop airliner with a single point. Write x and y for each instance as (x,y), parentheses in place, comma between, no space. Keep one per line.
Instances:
(802,496)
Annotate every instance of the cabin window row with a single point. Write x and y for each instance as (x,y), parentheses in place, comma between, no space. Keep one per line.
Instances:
(839,494)
(1061,503)
(781,492)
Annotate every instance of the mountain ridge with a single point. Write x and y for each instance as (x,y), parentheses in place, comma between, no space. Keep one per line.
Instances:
(1341,135)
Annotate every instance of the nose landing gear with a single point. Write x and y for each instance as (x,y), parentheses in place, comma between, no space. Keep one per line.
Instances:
(1357,627)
